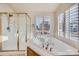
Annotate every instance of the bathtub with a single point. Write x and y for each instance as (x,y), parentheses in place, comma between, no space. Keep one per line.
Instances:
(58,47)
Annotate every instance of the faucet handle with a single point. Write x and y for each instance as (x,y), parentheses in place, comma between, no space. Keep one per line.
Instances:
(78,51)
(51,49)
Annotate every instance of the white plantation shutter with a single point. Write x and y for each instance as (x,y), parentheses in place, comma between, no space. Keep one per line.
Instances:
(61,25)
(71,23)
(74,22)
(67,20)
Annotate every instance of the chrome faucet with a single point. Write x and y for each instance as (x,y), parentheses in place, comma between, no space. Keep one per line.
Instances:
(47,46)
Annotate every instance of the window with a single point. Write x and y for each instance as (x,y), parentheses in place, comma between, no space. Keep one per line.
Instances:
(69,23)
(74,23)
(42,24)
(39,21)
(61,24)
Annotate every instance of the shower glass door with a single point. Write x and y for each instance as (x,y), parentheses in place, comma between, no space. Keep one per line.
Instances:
(13,32)
(22,31)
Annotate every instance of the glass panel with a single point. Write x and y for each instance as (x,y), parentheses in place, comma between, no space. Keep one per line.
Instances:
(39,23)
(9,32)
(13,32)
(5,32)
(28,28)
(43,24)
(22,31)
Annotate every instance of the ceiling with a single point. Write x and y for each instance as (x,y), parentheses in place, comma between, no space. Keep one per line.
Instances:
(44,7)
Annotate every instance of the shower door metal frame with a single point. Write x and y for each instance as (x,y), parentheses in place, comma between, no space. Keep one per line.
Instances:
(17,30)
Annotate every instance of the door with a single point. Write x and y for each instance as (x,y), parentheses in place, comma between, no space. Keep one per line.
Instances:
(22,31)
(13,31)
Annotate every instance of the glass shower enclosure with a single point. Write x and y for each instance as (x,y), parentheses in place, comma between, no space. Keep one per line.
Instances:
(13,33)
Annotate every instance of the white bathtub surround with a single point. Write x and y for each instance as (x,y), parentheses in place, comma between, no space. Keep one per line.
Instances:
(55,47)
(62,48)
(38,49)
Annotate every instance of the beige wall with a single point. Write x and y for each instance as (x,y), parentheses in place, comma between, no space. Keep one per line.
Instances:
(5,8)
